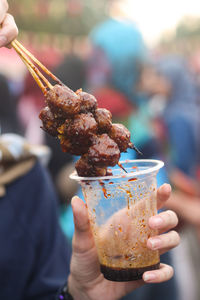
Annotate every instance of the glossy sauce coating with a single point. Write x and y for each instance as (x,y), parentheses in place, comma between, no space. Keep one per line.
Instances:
(84,129)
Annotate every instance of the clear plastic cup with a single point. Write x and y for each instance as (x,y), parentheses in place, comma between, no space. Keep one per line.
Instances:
(119,207)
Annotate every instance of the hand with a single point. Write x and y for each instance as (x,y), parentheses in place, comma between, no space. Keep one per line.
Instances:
(85,280)
(8,28)
(186,207)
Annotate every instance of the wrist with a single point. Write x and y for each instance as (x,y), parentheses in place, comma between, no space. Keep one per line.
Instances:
(75,290)
(64,294)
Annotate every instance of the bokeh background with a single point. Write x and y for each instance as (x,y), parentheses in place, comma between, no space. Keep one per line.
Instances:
(141,59)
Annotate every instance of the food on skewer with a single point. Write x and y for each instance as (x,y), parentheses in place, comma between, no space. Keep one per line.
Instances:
(121,135)
(63,102)
(88,101)
(84,168)
(104,119)
(104,151)
(82,127)
(90,134)
(75,119)
(50,123)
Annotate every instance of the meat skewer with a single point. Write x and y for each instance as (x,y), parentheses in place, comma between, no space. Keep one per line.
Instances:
(31,56)
(37,79)
(33,68)
(75,119)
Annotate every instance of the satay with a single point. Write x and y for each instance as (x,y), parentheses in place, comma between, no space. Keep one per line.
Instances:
(50,123)
(104,120)
(82,127)
(74,118)
(63,102)
(104,152)
(85,168)
(88,101)
(121,135)
(90,135)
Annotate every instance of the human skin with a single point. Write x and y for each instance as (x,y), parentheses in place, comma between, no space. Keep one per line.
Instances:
(8,28)
(86,281)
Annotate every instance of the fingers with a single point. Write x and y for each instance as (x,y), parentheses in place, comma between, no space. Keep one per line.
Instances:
(163,221)
(163,194)
(9,30)
(164,242)
(163,274)
(3,9)
(82,240)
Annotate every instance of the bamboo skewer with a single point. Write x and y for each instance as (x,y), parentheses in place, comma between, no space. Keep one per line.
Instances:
(120,165)
(38,62)
(132,146)
(37,79)
(35,72)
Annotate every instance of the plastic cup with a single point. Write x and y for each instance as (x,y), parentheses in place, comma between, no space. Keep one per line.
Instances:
(119,207)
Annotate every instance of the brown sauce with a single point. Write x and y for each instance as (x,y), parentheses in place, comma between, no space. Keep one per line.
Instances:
(128,274)
(132,179)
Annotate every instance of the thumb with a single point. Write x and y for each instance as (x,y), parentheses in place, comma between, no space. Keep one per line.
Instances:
(82,239)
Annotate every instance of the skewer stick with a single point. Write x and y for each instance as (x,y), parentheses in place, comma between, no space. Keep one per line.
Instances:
(120,165)
(38,81)
(36,70)
(132,146)
(38,62)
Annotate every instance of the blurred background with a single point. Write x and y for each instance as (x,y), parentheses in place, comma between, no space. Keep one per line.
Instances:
(141,59)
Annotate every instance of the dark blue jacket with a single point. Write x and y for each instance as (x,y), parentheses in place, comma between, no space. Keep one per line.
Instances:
(34,255)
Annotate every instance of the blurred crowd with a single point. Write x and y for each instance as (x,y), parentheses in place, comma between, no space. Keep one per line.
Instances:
(156,96)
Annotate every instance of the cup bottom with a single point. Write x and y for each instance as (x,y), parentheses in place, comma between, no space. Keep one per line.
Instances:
(129,274)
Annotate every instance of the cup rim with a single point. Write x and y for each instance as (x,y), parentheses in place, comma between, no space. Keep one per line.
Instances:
(158,165)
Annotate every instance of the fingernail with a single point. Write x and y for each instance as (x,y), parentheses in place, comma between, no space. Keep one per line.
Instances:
(147,277)
(157,221)
(168,187)
(155,243)
(74,197)
(3,40)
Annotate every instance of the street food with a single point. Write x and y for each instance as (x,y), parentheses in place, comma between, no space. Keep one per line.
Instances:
(74,118)
(84,130)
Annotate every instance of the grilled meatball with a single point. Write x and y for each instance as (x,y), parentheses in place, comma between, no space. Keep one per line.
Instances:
(85,130)
(63,102)
(88,101)
(50,123)
(84,168)
(82,127)
(104,151)
(74,148)
(121,135)
(104,120)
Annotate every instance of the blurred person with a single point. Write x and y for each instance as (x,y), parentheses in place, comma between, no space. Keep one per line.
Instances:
(30,103)
(194,63)
(175,88)
(9,121)
(34,254)
(8,31)
(118,52)
(34,257)
(116,57)
(171,79)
